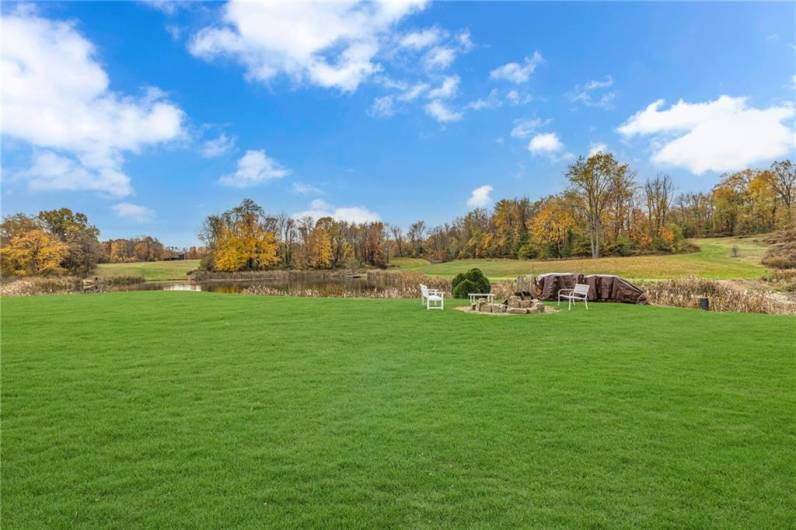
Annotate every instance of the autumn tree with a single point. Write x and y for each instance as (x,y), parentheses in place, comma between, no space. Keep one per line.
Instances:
(241,239)
(14,225)
(591,178)
(551,226)
(32,253)
(80,237)
(321,252)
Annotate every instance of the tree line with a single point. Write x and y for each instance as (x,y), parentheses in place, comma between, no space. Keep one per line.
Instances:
(144,248)
(605,210)
(246,238)
(64,242)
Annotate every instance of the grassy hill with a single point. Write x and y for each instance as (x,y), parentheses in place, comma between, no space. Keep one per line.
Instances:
(201,410)
(149,270)
(715,259)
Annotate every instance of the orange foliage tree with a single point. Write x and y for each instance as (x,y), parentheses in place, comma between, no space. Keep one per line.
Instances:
(552,224)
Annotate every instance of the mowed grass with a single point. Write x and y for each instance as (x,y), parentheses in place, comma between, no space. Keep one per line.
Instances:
(714,260)
(201,410)
(149,270)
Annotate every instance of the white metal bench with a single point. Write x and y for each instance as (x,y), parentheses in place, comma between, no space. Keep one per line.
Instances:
(432,298)
(580,292)
(475,296)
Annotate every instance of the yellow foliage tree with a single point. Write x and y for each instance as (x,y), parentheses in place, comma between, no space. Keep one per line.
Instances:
(247,245)
(321,255)
(552,224)
(33,253)
(229,255)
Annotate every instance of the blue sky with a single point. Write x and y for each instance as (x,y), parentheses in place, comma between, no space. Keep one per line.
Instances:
(148,116)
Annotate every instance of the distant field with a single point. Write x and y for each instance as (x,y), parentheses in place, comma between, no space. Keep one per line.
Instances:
(714,260)
(150,270)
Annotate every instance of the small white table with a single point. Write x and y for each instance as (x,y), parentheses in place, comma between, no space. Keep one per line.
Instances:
(475,296)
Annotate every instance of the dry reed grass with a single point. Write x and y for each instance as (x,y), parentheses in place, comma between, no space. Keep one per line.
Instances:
(723,296)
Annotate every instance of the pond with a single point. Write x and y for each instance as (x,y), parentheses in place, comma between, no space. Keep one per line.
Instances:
(371,284)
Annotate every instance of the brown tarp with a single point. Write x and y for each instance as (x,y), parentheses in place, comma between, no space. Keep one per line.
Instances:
(602,287)
(548,285)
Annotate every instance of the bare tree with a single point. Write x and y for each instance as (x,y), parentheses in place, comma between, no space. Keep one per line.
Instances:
(416,235)
(658,193)
(784,182)
(398,237)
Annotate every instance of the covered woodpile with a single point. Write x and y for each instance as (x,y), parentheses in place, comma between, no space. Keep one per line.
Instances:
(602,287)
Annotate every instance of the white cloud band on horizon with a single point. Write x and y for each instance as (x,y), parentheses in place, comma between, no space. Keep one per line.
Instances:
(138,213)
(351,214)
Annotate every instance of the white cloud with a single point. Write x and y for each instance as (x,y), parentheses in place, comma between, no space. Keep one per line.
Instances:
(386,106)
(597,147)
(352,214)
(140,214)
(440,112)
(329,44)
(439,58)
(721,135)
(383,107)
(480,197)
(174,31)
(50,171)
(413,92)
(218,146)
(56,97)
(594,93)
(492,101)
(254,167)
(793,81)
(169,7)
(417,40)
(306,189)
(518,72)
(545,144)
(465,40)
(448,88)
(525,128)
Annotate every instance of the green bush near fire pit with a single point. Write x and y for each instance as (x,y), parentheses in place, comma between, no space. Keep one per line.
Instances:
(472,281)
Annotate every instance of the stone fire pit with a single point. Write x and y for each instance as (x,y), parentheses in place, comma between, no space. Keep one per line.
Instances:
(514,305)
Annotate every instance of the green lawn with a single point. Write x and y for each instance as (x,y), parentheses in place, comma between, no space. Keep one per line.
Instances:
(200,410)
(714,260)
(149,270)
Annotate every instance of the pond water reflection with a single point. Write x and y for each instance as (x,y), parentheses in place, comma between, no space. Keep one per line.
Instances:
(293,283)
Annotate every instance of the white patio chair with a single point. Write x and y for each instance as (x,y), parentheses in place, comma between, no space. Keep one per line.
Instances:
(580,292)
(432,298)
